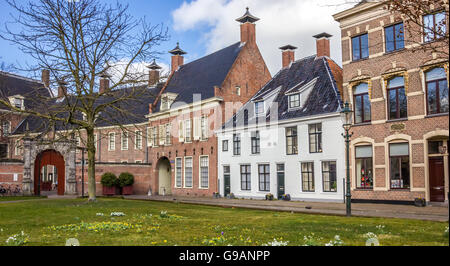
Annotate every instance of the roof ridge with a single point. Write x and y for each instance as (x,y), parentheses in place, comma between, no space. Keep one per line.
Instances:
(210,54)
(20,77)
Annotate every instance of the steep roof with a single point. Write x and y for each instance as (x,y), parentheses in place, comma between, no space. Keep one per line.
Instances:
(12,85)
(311,74)
(201,75)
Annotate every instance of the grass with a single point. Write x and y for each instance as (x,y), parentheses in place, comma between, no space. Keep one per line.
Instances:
(52,222)
(16,198)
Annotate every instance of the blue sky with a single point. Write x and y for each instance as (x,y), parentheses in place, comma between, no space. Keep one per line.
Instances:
(204,26)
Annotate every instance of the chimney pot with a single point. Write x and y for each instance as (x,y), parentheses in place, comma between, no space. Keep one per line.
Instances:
(45,77)
(62,89)
(288,55)
(104,84)
(154,73)
(177,57)
(248,27)
(323,44)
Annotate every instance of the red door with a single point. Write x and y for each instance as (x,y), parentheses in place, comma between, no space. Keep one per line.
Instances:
(50,157)
(436,176)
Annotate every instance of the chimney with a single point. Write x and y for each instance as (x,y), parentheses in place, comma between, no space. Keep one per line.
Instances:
(104,83)
(288,55)
(177,57)
(248,27)
(45,77)
(323,44)
(62,89)
(153,75)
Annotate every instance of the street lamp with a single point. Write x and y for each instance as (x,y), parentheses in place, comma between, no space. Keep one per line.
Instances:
(346,115)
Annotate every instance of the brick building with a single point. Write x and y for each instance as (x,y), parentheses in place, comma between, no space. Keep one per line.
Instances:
(169,143)
(399,93)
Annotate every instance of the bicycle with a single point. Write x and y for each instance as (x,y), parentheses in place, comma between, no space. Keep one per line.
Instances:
(17,190)
(2,191)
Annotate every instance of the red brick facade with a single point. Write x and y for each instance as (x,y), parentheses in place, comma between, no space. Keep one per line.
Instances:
(417,128)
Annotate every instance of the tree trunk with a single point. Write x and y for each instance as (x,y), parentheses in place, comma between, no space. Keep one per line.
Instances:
(91,165)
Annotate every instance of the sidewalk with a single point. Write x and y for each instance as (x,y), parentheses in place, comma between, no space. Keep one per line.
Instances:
(431,213)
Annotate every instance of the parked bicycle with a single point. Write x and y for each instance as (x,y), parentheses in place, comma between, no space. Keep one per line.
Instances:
(2,190)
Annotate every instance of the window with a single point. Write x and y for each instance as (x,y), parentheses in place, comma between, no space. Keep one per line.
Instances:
(178,170)
(168,134)
(155,136)
(3,150)
(18,148)
(236,144)
(435,26)
(397,102)
(18,103)
(315,138)
(124,140)
(259,108)
(329,176)
(245,117)
(308,177)
(294,101)
(204,128)
(394,37)
(188,133)
(6,128)
(360,47)
(245,177)
(204,171)
(437,91)
(255,142)
(291,141)
(238,91)
(399,163)
(362,103)
(188,172)
(264,177)
(224,145)
(364,167)
(112,141)
(138,141)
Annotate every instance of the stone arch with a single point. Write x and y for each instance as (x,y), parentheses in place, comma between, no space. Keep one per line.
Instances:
(32,148)
(164,176)
(49,157)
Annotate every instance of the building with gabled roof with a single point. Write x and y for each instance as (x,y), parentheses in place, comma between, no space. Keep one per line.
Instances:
(286,139)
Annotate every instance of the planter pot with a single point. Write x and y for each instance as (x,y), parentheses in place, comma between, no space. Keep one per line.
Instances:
(109,191)
(420,202)
(128,190)
(286,197)
(269,197)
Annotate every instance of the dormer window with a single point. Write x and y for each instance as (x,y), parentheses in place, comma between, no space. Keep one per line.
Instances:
(294,101)
(259,108)
(166,100)
(17,102)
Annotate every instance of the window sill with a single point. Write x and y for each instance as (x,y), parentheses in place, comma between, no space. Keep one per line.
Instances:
(363,189)
(397,120)
(437,115)
(362,124)
(395,51)
(399,189)
(360,60)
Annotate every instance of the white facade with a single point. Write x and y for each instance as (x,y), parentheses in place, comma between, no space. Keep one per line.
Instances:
(273,151)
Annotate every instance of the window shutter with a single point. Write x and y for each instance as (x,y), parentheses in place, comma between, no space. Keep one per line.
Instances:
(162,135)
(149,137)
(180,131)
(196,128)
(206,124)
(169,131)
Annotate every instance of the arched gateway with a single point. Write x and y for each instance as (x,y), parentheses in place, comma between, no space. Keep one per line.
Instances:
(164,170)
(38,153)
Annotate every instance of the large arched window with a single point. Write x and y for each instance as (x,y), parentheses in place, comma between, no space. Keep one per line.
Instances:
(437,91)
(397,102)
(362,103)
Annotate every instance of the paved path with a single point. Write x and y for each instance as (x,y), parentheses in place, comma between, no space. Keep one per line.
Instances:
(431,213)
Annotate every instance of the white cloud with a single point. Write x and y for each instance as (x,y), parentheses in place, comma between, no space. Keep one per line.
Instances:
(282,22)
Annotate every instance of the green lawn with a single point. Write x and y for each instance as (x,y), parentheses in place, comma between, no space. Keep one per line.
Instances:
(51,222)
(15,198)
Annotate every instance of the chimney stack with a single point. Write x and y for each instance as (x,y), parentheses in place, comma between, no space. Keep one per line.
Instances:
(104,83)
(62,89)
(323,44)
(177,57)
(288,55)
(248,27)
(153,75)
(45,77)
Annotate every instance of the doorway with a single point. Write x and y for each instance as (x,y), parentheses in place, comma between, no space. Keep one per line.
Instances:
(436,176)
(164,177)
(45,180)
(226,181)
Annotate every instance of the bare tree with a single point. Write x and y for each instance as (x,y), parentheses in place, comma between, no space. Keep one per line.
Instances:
(79,42)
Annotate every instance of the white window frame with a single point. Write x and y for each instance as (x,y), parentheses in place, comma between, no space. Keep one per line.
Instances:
(200,171)
(168,134)
(184,171)
(299,101)
(138,140)
(263,108)
(204,127)
(187,137)
(17,148)
(124,145)
(112,140)
(8,128)
(181,171)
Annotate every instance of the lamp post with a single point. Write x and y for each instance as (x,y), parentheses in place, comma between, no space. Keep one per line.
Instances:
(346,115)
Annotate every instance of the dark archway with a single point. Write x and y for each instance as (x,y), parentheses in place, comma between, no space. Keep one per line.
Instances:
(164,170)
(49,157)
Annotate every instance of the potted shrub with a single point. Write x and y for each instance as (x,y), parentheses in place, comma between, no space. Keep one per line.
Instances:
(420,202)
(109,182)
(269,196)
(126,181)
(286,197)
